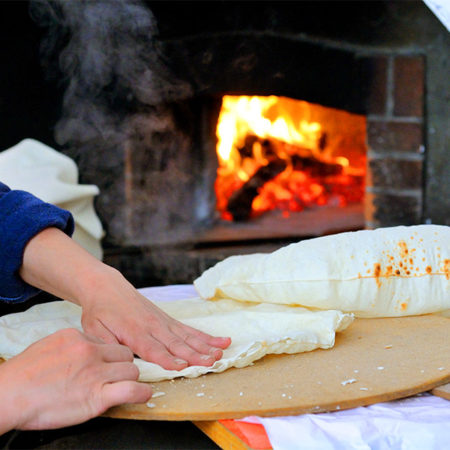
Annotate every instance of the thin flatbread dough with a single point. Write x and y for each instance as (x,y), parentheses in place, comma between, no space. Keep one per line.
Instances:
(255,330)
(388,272)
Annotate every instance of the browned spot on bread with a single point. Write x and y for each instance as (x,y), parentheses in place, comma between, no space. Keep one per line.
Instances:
(446,268)
(428,269)
(403,306)
(377,273)
(377,269)
(403,249)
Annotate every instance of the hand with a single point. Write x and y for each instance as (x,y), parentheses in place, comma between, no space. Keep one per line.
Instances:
(113,310)
(65,379)
(116,312)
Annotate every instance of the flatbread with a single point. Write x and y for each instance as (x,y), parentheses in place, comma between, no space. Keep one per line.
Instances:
(388,272)
(256,330)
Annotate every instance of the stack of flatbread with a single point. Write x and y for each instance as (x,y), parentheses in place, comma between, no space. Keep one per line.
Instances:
(292,300)
(387,272)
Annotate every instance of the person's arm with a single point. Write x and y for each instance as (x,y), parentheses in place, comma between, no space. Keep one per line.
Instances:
(113,310)
(66,379)
(23,216)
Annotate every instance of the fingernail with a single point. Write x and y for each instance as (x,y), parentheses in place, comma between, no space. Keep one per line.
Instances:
(180,361)
(215,352)
(205,357)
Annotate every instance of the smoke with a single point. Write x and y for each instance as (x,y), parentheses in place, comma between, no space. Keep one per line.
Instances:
(107,53)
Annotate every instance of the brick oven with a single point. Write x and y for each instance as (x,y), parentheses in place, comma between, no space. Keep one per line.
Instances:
(142,124)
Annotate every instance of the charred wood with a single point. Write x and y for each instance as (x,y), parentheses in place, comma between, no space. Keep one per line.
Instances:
(240,203)
(268,146)
(314,167)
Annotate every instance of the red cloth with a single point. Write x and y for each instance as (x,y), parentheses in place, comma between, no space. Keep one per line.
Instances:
(253,434)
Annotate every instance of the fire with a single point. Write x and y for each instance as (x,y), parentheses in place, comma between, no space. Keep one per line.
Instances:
(280,153)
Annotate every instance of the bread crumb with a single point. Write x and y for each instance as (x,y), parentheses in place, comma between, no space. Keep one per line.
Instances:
(363,389)
(200,394)
(241,394)
(380,368)
(151,405)
(388,346)
(441,368)
(349,381)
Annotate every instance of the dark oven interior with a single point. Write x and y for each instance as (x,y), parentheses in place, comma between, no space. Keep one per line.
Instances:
(136,91)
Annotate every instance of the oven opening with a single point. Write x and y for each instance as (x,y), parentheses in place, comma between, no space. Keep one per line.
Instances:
(281,156)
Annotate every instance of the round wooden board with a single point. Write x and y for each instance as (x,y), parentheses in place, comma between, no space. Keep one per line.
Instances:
(374,360)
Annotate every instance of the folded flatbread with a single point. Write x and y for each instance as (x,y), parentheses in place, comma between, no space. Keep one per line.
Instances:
(386,272)
(255,330)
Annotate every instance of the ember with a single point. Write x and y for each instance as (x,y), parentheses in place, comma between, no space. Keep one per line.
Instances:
(285,154)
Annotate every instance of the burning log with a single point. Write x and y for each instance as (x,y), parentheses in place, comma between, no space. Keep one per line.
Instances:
(268,146)
(300,158)
(240,202)
(314,167)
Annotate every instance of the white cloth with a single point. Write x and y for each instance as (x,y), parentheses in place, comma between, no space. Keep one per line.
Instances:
(416,423)
(53,177)
(441,9)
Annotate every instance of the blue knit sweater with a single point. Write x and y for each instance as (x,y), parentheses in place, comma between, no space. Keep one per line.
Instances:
(22,216)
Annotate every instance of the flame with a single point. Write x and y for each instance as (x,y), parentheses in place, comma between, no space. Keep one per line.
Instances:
(253,131)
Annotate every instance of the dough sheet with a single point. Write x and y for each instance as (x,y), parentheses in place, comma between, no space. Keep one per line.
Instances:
(255,329)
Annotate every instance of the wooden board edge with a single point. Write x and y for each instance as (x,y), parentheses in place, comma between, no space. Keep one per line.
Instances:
(442,391)
(219,434)
(130,411)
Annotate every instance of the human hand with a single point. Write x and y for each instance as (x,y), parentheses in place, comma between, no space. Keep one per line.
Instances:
(66,379)
(113,310)
(116,312)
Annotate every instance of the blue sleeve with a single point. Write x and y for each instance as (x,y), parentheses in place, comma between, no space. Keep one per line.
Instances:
(22,216)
